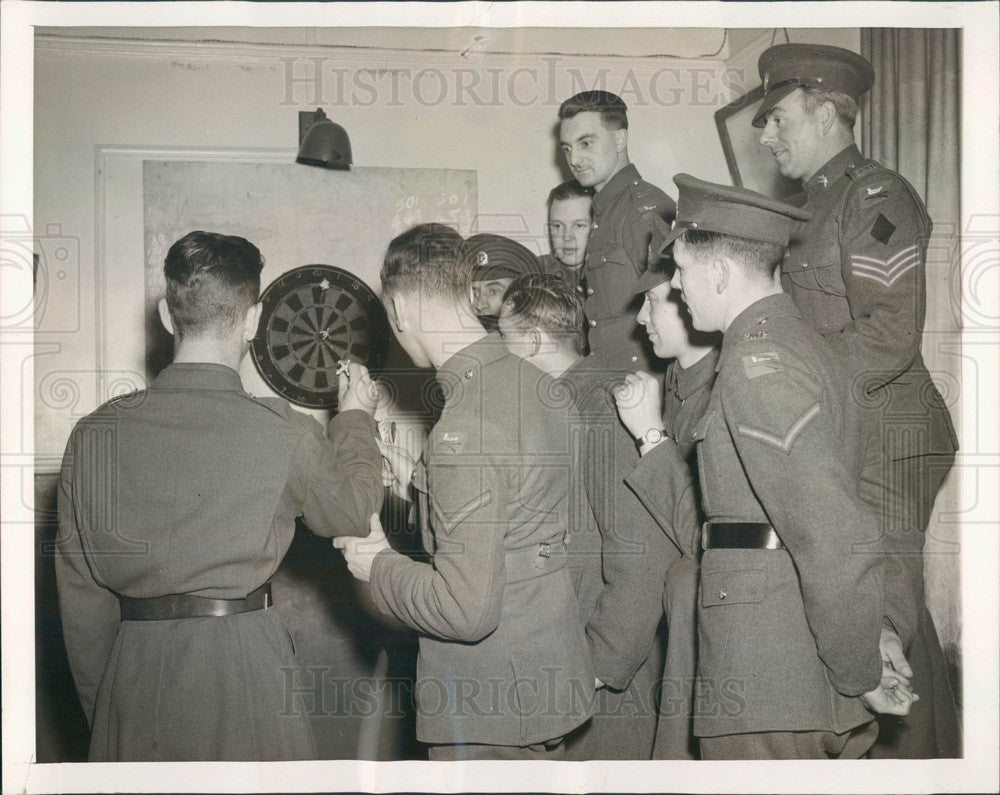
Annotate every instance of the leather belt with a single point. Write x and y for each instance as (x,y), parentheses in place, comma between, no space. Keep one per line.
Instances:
(739,535)
(184,605)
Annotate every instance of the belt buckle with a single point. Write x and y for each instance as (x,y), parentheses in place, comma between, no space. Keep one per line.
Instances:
(705,527)
(544,551)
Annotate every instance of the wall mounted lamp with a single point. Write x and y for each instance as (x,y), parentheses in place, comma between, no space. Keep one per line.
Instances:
(323,143)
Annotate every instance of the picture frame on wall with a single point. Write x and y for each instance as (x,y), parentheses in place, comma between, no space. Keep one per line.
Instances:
(751,164)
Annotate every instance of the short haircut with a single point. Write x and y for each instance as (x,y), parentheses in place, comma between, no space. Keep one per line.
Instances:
(427,258)
(212,280)
(756,256)
(569,190)
(845,105)
(614,112)
(544,301)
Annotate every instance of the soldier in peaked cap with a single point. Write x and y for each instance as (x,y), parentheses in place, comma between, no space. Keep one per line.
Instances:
(857,276)
(495,261)
(789,611)
(593,133)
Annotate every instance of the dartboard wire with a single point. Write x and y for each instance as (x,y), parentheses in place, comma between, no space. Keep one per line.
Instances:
(338,329)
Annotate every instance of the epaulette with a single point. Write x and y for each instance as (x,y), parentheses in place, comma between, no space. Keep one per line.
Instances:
(127,400)
(274,404)
(647,197)
(872,183)
(865,169)
(757,333)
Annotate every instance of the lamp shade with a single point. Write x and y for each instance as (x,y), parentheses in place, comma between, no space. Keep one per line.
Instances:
(325,145)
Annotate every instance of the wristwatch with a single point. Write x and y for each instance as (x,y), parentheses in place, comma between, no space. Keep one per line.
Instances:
(651,438)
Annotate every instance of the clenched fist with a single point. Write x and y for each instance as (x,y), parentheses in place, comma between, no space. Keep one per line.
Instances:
(639,402)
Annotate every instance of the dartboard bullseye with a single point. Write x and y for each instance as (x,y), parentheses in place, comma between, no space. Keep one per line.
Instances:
(313,317)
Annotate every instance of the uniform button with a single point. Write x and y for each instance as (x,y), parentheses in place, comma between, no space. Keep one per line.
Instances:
(593,225)
(805,264)
(635,182)
(635,359)
(468,373)
(723,595)
(590,291)
(593,323)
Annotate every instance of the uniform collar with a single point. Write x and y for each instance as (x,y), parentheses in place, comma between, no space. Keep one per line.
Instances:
(615,185)
(754,319)
(833,170)
(685,381)
(465,365)
(198,375)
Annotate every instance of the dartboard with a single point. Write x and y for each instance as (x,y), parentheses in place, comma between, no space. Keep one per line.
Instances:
(312,318)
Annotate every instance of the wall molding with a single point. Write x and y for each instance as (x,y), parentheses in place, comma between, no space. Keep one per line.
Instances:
(370,57)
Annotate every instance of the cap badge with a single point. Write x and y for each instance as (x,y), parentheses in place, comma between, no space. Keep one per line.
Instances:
(482,258)
(823,181)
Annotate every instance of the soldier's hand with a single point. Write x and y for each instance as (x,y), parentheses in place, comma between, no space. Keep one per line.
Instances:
(891,648)
(356,389)
(360,552)
(639,402)
(893,696)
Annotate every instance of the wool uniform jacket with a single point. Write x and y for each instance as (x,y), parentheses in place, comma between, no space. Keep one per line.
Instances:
(192,486)
(503,659)
(623,234)
(624,589)
(670,493)
(788,638)
(552,264)
(857,273)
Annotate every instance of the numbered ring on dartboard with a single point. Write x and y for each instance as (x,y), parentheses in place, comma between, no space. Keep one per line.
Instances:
(314,317)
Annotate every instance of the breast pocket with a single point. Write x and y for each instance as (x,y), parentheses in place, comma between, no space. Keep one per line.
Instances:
(817,268)
(612,277)
(733,587)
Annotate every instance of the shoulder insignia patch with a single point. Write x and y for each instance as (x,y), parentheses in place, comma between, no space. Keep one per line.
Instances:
(886,272)
(870,198)
(882,229)
(787,442)
(758,364)
(455,440)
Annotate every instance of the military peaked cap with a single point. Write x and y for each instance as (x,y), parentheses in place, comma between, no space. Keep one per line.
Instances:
(498,257)
(786,67)
(728,210)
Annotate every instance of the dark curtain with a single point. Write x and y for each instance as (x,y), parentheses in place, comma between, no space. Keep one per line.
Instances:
(910,122)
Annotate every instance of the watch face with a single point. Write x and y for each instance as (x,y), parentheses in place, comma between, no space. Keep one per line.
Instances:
(312,318)
(654,435)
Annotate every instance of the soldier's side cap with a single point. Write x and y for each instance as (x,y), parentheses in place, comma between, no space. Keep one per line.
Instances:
(661,270)
(786,67)
(497,257)
(709,207)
